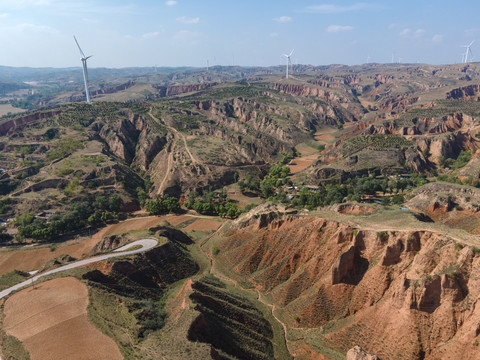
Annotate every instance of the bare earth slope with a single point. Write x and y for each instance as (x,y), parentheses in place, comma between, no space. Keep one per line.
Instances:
(362,287)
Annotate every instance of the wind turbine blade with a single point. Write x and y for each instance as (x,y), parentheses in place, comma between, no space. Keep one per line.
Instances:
(471,43)
(291,52)
(88,57)
(79,48)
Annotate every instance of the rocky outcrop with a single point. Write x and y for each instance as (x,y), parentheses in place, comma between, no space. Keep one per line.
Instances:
(9,125)
(450,123)
(470,92)
(344,265)
(112,90)
(398,103)
(182,89)
(371,287)
(391,128)
(357,353)
(306,91)
(110,242)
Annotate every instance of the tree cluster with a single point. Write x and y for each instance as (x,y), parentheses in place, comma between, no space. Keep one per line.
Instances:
(355,189)
(168,204)
(88,211)
(213,203)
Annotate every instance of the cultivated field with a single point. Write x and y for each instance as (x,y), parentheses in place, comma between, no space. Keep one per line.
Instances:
(51,322)
(7,108)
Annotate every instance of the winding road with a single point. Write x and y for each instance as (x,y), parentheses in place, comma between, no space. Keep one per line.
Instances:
(146,244)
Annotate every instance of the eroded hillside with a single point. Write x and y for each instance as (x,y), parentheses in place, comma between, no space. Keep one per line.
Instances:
(360,192)
(337,286)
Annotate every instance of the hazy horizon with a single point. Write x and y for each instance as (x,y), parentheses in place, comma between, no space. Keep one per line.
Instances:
(122,34)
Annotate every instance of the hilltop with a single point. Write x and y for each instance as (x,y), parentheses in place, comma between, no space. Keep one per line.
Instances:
(335,209)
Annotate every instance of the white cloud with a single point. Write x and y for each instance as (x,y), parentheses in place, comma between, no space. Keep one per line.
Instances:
(419,32)
(170,3)
(338,28)
(392,26)
(4,15)
(187,20)
(283,19)
(150,35)
(405,32)
(437,39)
(335,9)
(273,35)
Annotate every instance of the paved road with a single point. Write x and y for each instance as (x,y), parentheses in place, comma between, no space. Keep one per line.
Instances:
(147,244)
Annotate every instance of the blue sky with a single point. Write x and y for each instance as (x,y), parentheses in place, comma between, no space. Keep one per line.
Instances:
(125,33)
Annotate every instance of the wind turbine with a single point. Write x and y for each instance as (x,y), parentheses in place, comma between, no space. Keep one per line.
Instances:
(85,71)
(287,57)
(467,50)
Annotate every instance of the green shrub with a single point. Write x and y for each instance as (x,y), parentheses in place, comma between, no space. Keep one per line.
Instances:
(382,235)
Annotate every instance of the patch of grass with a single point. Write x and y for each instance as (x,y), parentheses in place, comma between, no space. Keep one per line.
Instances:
(63,148)
(199,234)
(112,317)
(64,171)
(11,278)
(215,250)
(13,349)
(382,235)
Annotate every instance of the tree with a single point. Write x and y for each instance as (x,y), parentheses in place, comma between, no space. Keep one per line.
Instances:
(4,236)
(141,195)
(267,188)
(114,202)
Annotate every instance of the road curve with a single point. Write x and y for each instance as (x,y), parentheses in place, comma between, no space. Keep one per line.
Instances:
(147,244)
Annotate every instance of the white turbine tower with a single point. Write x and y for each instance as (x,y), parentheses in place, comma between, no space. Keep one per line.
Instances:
(467,50)
(287,57)
(85,71)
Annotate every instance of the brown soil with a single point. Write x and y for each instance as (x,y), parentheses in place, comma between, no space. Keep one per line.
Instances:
(302,163)
(203,225)
(354,209)
(378,286)
(243,200)
(309,154)
(51,321)
(326,136)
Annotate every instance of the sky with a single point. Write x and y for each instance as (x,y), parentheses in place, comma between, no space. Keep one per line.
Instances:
(123,33)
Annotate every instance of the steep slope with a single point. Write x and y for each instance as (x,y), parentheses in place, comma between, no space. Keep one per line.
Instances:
(353,284)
